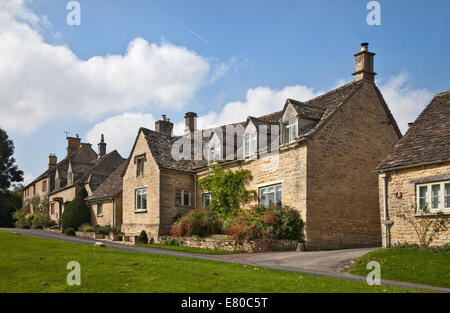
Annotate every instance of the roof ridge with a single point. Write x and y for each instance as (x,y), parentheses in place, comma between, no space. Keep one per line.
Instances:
(332,91)
(444,93)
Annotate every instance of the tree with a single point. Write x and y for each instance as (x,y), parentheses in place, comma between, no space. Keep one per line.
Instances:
(9,172)
(228,190)
(10,201)
(76,213)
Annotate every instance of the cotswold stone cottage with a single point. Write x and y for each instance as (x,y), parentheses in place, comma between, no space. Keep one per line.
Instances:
(417,172)
(320,161)
(81,168)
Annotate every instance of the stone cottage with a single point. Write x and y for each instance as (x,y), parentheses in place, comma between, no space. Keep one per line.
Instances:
(316,156)
(417,173)
(82,167)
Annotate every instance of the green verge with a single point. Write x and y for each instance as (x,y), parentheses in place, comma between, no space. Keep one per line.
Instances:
(409,265)
(189,249)
(30,264)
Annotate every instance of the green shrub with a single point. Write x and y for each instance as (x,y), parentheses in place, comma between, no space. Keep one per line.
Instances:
(104,230)
(23,218)
(200,222)
(142,238)
(119,237)
(41,221)
(86,228)
(260,223)
(171,242)
(69,231)
(76,212)
(116,230)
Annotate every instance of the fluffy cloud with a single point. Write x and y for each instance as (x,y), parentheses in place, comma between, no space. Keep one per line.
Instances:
(41,82)
(405,103)
(27,178)
(120,131)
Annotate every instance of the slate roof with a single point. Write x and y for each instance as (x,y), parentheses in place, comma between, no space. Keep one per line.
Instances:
(111,186)
(427,140)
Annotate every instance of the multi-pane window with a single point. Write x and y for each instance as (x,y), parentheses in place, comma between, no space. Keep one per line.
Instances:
(293,129)
(99,209)
(69,179)
(183,197)
(436,196)
(206,198)
(139,167)
(249,145)
(270,196)
(214,153)
(141,199)
(44,186)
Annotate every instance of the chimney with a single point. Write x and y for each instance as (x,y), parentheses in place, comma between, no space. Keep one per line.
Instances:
(52,160)
(164,126)
(73,144)
(101,146)
(364,64)
(190,120)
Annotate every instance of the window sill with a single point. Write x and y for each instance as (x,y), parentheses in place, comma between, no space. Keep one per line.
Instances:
(140,211)
(446,212)
(99,215)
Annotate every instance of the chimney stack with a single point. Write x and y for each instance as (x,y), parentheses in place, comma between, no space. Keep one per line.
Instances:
(52,161)
(364,64)
(164,126)
(73,144)
(190,120)
(101,146)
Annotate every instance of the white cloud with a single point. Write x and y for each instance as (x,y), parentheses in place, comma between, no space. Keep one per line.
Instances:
(259,101)
(405,103)
(120,131)
(27,178)
(41,82)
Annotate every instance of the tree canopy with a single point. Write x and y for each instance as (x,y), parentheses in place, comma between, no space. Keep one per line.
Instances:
(9,172)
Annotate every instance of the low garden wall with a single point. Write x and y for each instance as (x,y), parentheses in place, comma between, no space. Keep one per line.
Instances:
(223,243)
(95,236)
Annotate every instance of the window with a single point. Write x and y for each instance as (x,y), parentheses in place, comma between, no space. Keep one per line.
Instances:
(270,196)
(139,167)
(183,198)
(436,196)
(69,179)
(99,209)
(214,153)
(44,186)
(141,199)
(34,189)
(249,145)
(206,199)
(52,208)
(293,130)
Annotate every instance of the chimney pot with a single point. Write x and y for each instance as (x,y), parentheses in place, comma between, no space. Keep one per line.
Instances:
(190,120)
(101,146)
(52,161)
(364,64)
(73,144)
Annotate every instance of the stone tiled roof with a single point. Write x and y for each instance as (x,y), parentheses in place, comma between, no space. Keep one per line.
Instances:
(427,140)
(320,109)
(111,186)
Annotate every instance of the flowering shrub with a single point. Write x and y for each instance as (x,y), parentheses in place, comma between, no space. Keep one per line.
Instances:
(200,222)
(266,224)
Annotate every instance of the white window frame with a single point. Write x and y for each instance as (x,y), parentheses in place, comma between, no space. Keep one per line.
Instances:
(183,193)
(250,140)
(443,206)
(293,129)
(214,152)
(100,206)
(275,187)
(204,196)
(140,192)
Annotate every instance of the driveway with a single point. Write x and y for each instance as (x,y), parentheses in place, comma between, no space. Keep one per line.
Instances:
(324,261)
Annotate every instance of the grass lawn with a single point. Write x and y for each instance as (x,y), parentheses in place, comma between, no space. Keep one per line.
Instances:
(189,249)
(404,264)
(30,264)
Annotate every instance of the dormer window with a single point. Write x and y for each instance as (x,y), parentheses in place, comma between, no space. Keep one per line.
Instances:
(249,145)
(290,131)
(69,179)
(213,153)
(57,180)
(139,160)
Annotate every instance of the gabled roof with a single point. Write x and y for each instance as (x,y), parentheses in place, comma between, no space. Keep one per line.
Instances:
(112,186)
(427,140)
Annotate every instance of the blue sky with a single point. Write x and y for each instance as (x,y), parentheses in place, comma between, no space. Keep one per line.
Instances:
(243,52)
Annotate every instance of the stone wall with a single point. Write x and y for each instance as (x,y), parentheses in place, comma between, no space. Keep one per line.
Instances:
(134,222)
(342,191)
(404,182)
(231,245)
(107,217)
